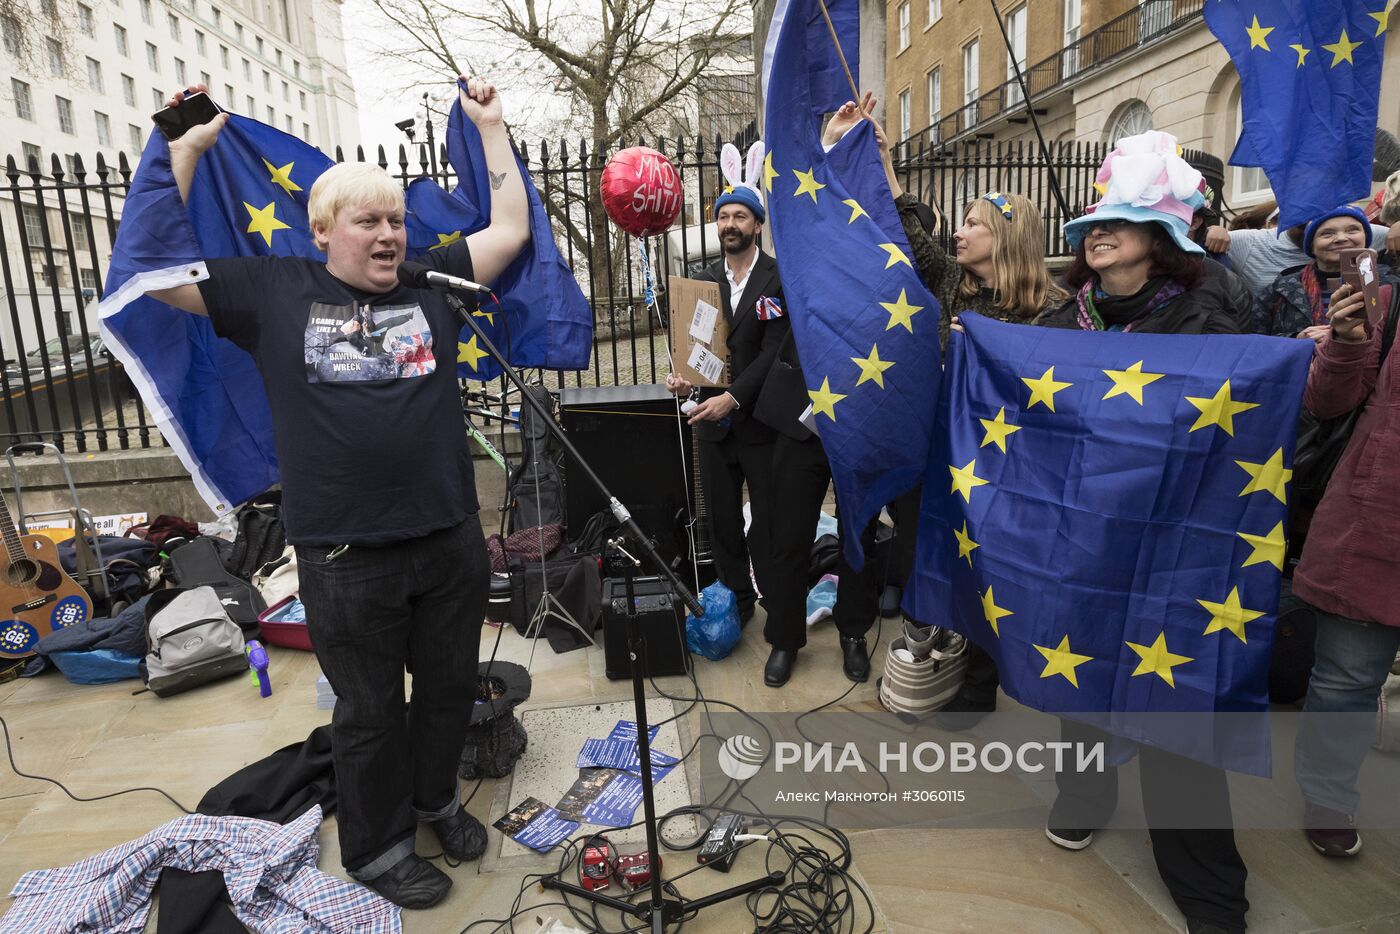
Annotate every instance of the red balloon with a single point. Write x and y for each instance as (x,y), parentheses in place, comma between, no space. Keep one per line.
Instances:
(641,191)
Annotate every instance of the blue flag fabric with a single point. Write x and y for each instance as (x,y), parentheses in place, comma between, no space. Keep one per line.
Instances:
(543,316)
(1105,515)
(865,325)
(248,198)
(1310,88)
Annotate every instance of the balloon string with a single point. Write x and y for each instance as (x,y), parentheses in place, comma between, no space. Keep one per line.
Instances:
(649,294)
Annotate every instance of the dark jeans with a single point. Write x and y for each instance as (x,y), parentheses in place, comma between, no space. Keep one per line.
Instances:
(1201,867)
(724,468)
(797,504)
(372,612)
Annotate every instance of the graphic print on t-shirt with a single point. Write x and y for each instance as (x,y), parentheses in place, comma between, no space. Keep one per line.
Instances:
(356,343)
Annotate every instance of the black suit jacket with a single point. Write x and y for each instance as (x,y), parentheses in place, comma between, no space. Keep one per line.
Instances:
(752,343)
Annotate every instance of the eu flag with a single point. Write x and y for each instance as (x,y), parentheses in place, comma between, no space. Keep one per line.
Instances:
(1104,513)
(543,316)
(248,198)
(1310,77)
(865,325)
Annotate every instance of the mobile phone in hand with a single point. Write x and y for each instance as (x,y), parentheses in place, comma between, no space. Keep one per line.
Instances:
(1359,271)
(196,109)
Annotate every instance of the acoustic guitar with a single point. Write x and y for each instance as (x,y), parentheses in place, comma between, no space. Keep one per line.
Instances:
(36,596)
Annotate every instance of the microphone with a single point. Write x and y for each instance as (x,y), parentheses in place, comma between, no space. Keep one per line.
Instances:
(418,276)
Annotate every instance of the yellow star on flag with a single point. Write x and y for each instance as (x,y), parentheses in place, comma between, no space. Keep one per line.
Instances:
(469,353)
(264,221)
(446,240)
(1157,660)
(1341,50)
(1258,34)
(824,400)
(807,184)
(965,548)
(1268,549)
(283,176)
(1229,615)
(997,430)
(872,368)
(1268,477)
(1129,382)
(1043,390)
(769,173)
(1302,53)
(901,311)
(1219,410)
(1382,20)
(490,316)
(896,255)
(990,610)
(1061,661)
(856,209)
(965,478)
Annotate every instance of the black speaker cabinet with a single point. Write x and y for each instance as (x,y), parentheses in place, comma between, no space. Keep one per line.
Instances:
(628,435)
(661,620)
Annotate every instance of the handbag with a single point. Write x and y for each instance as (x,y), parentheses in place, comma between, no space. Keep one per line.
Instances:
(783,398)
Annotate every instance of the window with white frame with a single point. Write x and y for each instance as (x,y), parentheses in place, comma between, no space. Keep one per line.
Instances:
(129,90)
(79,230)
(972,65)
(180,71)
(31,153)
(152,57)
(122,48)
(85,21)
(935,95)
(133,139)
(24,101)
(904,25)
(904,114)
(94,75)
(174,23)
(157,98)
(87,279)
(1072,24)
(271,116)
(200,45)
(1132,118)
(65,116)
(104,128)
(55,57)
(9,27)
(935,11)
(206,79)
(223,56)
(247,70)
(33,224)
(146,12)
(1016,32)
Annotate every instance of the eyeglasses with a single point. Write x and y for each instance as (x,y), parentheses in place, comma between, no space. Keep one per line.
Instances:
(1109,225)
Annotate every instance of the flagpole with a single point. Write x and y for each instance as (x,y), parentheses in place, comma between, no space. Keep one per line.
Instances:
(855,92)
(1026,96)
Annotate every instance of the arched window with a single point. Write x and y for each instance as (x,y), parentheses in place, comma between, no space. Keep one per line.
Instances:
(1131,119)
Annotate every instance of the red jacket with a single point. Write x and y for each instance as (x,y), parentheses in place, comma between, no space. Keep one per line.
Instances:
(1351,560)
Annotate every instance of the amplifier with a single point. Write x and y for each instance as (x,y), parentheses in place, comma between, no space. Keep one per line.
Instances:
(660,619)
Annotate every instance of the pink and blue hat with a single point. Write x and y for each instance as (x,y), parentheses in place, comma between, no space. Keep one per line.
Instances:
(1145,180)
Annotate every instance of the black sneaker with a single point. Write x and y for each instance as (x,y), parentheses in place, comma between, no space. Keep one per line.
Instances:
(1070,839)
(461,835)
(413,882)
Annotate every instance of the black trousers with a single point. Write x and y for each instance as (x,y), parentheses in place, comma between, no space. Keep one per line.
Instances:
(1201,867)
(797,504)
(725,466)
(369,612)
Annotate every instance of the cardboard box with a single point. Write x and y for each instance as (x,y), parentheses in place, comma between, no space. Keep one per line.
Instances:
(699,333)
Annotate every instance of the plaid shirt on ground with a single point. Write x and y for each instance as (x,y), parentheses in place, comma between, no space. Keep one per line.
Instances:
(269,870)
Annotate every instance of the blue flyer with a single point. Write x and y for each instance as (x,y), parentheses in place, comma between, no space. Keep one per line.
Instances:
(534,824)
(627,730)
(616,804)
(622,754)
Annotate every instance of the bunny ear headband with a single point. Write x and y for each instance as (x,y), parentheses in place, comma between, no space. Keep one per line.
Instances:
(743,177)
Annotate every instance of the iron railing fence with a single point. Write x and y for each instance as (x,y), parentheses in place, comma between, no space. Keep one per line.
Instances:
(60,384)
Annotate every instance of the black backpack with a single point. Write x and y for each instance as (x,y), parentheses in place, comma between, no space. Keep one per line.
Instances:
(197,563)
(261,538)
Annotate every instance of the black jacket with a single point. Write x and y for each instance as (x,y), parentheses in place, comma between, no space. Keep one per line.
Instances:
(752,345)
(1221,304)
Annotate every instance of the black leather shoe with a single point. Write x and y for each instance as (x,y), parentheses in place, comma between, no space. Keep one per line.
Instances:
(412,883)
(461,835)
(855,658)
(779,667)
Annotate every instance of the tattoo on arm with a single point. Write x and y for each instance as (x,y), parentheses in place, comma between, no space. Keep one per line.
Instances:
(497,179)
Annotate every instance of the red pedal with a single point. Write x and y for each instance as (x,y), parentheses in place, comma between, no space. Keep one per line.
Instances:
(596,872)
(635,869)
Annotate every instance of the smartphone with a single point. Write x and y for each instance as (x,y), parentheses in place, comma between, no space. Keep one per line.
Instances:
(1359,271)
(196,109)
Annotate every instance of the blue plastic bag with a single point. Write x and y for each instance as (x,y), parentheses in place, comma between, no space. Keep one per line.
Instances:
(715,634)
(98,666)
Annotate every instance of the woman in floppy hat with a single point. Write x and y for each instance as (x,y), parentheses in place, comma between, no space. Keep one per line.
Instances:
(1135,269)
(1296,303)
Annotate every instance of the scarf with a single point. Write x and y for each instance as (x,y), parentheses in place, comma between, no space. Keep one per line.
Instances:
(1312,290)
(1129,308)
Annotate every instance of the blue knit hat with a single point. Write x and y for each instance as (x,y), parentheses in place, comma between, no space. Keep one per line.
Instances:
(1345,210)
(746,197)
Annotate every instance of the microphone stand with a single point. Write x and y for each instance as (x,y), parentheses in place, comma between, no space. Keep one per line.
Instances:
(658,912)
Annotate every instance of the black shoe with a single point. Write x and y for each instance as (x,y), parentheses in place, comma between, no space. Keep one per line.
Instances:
(779,667)
(461,835)
(412,883)
(1070,839)
(963,713)
(1197,926)
(855,658)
